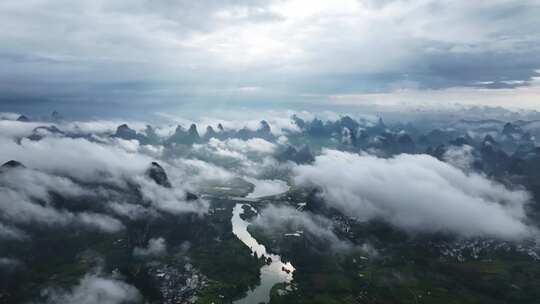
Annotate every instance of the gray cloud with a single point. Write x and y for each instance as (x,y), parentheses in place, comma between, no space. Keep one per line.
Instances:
(20,188)
(18,208)
(62,52)
(37,184)
(55,165)
(418,193)
(460,157)
(131,211)
(11,233)
(9,263)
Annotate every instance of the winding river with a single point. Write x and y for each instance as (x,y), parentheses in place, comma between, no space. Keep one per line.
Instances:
(270,274)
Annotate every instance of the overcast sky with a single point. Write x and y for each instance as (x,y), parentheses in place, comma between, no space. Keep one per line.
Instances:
(99,55)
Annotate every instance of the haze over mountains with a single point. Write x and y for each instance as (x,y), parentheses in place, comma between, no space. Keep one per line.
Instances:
(138,213)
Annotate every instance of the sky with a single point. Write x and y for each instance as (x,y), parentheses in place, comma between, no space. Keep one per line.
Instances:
(101,56)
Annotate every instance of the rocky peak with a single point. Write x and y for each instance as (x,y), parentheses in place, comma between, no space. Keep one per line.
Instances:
(404,138)
(179,136)
(316,128)
(347,122)
(150,132)
(346,136)
(210,132)
(264,127)
(380,123)
(151,135)
(510,129)
(179,129)
(191,196)
(125,132)
(193,131)
(460,141)
(13,164)
(304,155)
(56,116)
(299,121)
(489,141)
(40,132)
(301,156)
(405,144)
(156,173)
(23,118)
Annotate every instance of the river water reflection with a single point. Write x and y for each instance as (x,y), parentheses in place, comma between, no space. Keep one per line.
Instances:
(270,274)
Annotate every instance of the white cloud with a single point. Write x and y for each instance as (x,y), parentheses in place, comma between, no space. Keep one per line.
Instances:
(267,187)
(130,146)
(156,247)
(9,263)
(38,184)
(19,208)
(99,126)
(171,200)
(199,171)
(100,221)
(21,187)
(460,157)
(15,129)
(132,211)
(9,116)
(240,157)
(93,289)
(113,161)
(77,158)
(418,193)
(256,145)
(280,121)
(412,99)
(286,220)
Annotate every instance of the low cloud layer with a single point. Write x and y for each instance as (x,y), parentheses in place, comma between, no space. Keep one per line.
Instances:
(267,187)
(460,157)
(156,247)
(94,176)
(22,189)
(94,288)
(170,200)
(64,156)
(290,222)
(237,149)
(417,193)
